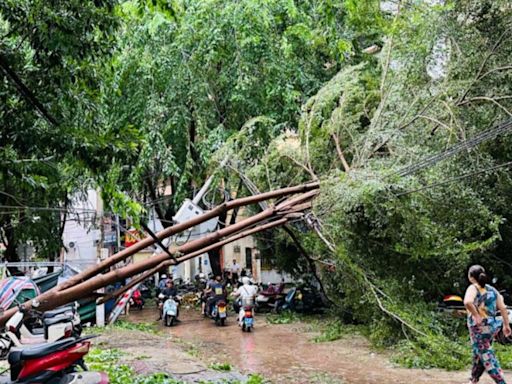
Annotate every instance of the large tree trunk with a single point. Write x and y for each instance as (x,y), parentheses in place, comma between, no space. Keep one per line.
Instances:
(148,241)
(86,283)
(214,254)
(217,245)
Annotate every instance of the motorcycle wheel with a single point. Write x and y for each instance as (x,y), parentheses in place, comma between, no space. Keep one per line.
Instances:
(243,327)
(222,322)
(249,329)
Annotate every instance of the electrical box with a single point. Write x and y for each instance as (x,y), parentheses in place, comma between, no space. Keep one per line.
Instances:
(188,211)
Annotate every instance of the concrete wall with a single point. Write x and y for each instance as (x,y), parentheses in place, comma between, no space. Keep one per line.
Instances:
(81,232)
(274,277)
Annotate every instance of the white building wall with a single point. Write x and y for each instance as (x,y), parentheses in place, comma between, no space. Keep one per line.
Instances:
(81,233)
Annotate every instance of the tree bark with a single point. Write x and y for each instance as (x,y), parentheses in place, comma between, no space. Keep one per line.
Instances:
(217,245)
(120,256)
(76,288)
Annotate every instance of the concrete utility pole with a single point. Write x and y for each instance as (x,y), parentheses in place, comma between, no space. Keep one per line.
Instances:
(100,309)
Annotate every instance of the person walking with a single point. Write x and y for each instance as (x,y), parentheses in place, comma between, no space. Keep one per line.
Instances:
(482,302)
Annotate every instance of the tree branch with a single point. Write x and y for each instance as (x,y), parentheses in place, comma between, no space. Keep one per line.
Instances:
(484,63)
(25,92)
(491,99)
(307,169)
(340,152)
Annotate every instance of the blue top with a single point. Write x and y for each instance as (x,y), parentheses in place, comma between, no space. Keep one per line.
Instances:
(485,303)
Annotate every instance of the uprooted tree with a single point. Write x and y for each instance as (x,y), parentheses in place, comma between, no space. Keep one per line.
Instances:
(85,284)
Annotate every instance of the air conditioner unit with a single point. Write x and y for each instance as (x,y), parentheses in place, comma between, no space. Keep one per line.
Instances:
(104,253)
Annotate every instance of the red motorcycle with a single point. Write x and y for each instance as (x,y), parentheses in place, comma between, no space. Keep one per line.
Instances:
(136,300)
(270,298)
(52,363)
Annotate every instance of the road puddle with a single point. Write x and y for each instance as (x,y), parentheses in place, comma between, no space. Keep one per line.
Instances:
(285,353)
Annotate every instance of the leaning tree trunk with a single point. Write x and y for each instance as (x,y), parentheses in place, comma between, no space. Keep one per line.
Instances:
(148,241)
(86,283)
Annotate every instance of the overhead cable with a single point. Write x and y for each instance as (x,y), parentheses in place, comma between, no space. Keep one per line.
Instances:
(457,148)
(463,176)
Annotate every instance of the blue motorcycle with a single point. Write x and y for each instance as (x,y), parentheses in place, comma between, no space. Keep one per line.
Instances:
(170,311)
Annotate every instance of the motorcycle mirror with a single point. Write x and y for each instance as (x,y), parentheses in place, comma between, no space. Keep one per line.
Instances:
(494,280)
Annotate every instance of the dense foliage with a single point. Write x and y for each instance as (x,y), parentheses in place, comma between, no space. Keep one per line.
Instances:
(396,239)
(51,139)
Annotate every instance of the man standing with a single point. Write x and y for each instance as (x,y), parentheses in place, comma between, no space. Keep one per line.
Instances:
(235,272)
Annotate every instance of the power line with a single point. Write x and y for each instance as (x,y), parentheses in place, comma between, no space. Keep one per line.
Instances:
(448,181)
(457,148)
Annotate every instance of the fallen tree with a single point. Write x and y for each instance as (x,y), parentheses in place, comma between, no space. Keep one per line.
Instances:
(178,228)
(88,282)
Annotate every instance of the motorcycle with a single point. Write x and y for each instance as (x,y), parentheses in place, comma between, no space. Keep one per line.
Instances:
(247,320)
(219,312)
(304,299)
(170,311)
(137,301)
(270,298)
(46,327)
(145,290)
(52,363)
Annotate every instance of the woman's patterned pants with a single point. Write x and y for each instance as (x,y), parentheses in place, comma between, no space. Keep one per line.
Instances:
(484,358)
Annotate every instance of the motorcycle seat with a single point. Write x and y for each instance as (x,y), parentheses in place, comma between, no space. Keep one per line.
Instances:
(37,331)
(18,354)
(58,311)
(56,320)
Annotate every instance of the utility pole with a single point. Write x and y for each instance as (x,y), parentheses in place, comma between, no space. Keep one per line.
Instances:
(100,308)
(118,234)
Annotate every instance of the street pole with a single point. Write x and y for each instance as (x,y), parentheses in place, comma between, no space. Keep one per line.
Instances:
(118,234)
(100,308)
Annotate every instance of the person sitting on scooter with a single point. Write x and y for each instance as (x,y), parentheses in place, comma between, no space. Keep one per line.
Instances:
(218,292)
(247,293)
(206,294)
(168,291)
(162,284)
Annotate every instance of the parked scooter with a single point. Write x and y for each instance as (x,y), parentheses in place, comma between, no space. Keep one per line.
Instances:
(55,325)
(137,301)
(303,299)
(270,298)
(52,363)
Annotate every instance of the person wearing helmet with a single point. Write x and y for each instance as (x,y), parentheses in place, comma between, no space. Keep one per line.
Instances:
(247,294)
(162,283)
(216,291)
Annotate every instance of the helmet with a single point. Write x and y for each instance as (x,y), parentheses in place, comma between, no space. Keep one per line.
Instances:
(245,280)
(201,275)
(164,276)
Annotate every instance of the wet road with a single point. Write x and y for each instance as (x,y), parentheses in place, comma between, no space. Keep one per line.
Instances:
(285,353)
